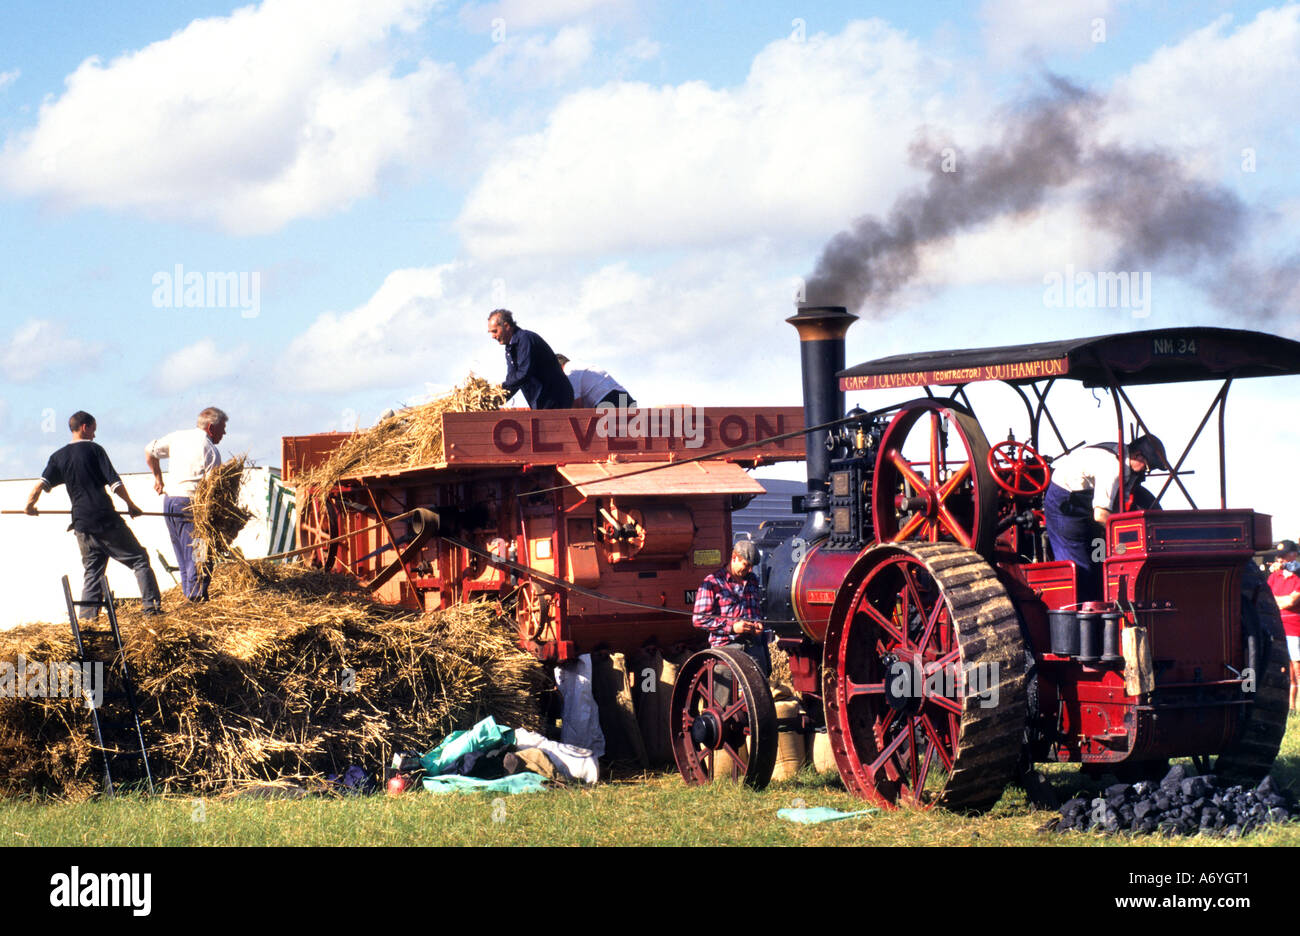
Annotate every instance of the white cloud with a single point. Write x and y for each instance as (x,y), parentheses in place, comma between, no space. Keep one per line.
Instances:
(531,60)
(387,340)
(527,14)
(38,346)
(199,363)
(1019,248)
(1014,27)
(285,110)
(817,134)
(663,329)
(642,50)
(8,78)
(1216,92)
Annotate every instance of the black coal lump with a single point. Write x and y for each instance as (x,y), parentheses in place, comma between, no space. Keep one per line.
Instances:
(1180,805)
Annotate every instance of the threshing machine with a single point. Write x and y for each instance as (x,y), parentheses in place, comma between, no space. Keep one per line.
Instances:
(556,508)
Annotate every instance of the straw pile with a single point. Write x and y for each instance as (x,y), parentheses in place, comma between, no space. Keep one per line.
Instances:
(284,673)
(405,439)
(218,518)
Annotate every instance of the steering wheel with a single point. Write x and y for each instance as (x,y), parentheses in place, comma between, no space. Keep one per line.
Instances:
(1018,469)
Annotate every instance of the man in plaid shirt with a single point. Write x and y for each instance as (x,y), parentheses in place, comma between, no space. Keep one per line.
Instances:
(729,607)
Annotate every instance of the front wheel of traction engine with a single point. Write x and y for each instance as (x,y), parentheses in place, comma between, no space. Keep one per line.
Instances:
(723,719)
(923,679)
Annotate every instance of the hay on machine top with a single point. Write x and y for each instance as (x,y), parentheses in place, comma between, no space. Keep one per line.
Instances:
(1166,355)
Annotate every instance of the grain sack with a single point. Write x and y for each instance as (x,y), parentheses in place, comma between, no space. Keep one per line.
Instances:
(791,745)
(652,680)
(722,762)
(781,691)
(823,758)
(612,688)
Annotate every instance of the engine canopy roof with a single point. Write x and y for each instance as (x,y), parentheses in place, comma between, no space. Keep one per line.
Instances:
(1166,355)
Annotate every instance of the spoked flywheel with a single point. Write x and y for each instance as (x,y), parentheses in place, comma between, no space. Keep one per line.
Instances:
(923,678)
(318,524)
(723,719)
(932,480)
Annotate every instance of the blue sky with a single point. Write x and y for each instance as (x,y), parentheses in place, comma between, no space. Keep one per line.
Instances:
(642,183)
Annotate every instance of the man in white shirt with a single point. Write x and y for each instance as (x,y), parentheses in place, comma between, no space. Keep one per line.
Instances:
(593,386)
(1085,489)
(193,453)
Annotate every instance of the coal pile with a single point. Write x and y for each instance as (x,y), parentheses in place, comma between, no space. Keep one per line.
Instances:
(1179,805)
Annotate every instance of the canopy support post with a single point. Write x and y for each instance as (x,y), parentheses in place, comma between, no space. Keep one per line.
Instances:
(1044,411)
(1173,474)
(1223,464)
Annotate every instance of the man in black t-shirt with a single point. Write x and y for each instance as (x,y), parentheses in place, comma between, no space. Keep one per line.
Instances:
(101,532)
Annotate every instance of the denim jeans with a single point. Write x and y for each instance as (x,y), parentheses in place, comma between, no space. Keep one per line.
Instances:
(195,574)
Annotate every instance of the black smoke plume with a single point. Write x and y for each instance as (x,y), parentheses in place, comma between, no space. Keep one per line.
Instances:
(1162,216)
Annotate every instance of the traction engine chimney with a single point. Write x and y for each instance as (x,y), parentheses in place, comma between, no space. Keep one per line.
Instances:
(821,355)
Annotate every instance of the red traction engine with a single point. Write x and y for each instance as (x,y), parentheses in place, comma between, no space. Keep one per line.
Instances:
(600,529)
(931,631)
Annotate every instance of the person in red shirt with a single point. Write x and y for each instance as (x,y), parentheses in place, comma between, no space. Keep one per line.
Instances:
(1285,585)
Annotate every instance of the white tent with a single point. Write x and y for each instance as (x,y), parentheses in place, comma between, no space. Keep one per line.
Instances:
(36,552)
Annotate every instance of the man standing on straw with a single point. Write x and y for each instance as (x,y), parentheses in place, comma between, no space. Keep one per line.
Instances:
(101,532)
(530,364)
(193,453)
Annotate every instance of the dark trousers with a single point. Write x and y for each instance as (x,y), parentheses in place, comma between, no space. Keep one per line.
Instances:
(1074,535)
(115,541)
(195,574)
(758,651)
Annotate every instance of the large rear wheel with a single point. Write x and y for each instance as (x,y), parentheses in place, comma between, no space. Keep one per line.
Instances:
(923,678)
(1251,755)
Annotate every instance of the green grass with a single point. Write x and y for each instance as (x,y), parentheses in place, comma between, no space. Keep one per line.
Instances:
(656,809)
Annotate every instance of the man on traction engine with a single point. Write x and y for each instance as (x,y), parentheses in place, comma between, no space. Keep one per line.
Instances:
(1085,490)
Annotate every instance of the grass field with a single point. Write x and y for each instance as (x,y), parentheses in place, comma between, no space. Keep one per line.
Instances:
(656,809)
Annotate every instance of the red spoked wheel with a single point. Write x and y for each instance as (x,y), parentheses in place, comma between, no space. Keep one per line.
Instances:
(932,481)
(923,679)
(534,612)
(723,719)
(1018,469)
(318,523)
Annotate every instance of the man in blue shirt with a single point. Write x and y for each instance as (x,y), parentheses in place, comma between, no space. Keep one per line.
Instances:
(530,364)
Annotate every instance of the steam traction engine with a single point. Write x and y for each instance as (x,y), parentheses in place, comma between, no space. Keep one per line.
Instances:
(927,624)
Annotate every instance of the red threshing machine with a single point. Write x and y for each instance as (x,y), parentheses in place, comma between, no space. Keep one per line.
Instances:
(556,507)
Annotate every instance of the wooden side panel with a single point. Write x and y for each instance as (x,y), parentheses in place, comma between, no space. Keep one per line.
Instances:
(558,437)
